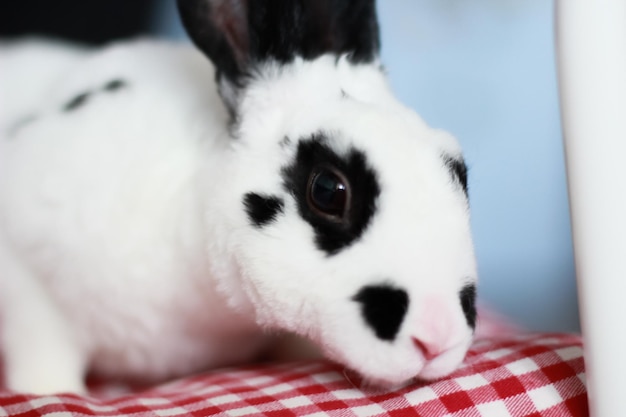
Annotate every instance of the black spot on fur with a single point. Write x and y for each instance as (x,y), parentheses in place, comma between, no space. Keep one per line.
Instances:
(383,308)
(285,142)
(468,304)
(332,236)
(20,124)
(77,102)
(458,171)
(115,85)
(262,210)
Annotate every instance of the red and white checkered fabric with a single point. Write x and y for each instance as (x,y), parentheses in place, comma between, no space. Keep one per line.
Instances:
(522,375)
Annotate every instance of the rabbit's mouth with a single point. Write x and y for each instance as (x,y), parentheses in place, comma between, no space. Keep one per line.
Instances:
(424,338)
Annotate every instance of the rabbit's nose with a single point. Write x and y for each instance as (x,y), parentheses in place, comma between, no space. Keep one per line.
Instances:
(383,308)
(440,325)
(428,350)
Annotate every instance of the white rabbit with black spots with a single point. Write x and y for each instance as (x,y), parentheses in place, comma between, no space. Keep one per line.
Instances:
(161,214)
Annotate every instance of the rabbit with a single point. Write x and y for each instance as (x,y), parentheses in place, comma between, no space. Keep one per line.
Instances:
(162,213)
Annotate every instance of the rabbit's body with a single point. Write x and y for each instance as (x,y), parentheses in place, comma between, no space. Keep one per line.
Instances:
(152,224)
(100,205)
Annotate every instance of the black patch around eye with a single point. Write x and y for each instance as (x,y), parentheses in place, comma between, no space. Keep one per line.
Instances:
(77,102)
(467,297)
(115,85)
(312,153)
(383,308)
(262,210)
(458,171)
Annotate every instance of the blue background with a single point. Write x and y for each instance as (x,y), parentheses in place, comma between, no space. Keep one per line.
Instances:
(485,71)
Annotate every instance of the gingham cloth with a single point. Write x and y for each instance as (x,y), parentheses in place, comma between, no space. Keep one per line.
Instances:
(521,375)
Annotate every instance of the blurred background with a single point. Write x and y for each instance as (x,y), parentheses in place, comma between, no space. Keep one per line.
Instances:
(483,70)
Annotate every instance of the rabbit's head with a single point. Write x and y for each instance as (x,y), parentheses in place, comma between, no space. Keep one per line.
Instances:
(349,215)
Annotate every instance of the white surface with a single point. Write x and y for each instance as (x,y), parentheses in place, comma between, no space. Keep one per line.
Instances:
(592,67)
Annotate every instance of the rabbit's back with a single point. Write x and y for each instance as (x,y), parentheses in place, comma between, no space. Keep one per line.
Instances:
(108,146)
(29,67)
(98,197)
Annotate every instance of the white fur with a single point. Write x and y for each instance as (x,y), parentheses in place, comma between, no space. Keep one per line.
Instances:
(125,249)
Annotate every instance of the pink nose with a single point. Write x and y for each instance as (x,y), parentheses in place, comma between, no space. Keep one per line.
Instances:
(429,350)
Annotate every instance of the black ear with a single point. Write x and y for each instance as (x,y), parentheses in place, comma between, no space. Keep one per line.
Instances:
(220,29)
(237,35)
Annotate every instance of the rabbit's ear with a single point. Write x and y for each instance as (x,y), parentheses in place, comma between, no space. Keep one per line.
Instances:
(220,29)
(238,35)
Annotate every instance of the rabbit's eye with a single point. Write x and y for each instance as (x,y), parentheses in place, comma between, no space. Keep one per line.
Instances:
(328,193)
